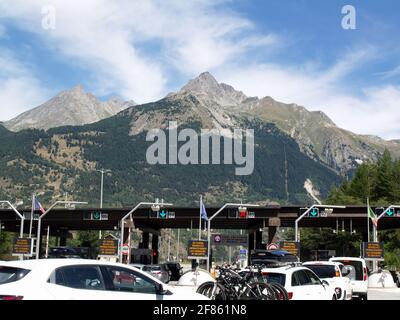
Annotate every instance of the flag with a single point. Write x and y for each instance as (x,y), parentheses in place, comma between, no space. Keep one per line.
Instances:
(203,211)
(372,216)
(38,206)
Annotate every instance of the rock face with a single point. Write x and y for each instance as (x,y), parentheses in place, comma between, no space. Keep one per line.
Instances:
(72,107)
(219,105)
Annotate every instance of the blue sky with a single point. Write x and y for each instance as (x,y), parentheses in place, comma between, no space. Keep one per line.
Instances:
(295,51)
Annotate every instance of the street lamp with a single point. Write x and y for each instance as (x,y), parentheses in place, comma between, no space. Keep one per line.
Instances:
(238,205)
(102,171)
(155,206)
(21,232)
(44,214)
(296,226)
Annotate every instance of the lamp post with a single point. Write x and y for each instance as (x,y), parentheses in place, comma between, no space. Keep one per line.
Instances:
(209,225)
(102,171)
(21,232)
(154,205)
(45,214)
(296,225)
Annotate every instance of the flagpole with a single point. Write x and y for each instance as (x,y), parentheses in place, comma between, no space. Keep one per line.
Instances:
(368,218)
(201,202)
(32,211)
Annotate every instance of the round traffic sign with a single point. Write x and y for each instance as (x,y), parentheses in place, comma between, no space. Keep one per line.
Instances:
(272,246)
(217,238)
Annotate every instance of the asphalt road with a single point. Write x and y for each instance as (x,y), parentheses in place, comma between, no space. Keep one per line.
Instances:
(384,294)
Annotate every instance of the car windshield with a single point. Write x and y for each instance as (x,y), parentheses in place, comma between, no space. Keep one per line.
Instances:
(322,271)
(355,267)
(11,274)
(152,268)
(275,278)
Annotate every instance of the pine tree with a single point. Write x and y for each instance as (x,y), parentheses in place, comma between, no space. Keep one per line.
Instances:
(384,188)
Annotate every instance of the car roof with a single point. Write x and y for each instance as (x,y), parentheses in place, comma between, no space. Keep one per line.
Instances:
(286,269)
(325,263)
(347,258)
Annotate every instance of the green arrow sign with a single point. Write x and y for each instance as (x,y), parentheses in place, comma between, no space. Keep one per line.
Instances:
(390,213)
(314,212)
(96,215)
(163,214)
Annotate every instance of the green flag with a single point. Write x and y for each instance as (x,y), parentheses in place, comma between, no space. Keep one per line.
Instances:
(372,216)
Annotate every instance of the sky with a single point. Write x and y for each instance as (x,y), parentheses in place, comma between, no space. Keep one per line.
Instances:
(295,51)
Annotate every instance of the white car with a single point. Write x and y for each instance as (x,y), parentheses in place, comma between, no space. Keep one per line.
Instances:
(79,279)
(334,273)
(300,283)
(358,275)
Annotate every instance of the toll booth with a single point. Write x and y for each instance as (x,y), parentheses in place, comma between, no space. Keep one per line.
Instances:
(142,256)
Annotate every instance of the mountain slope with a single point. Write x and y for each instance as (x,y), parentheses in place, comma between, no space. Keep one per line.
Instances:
(72,107)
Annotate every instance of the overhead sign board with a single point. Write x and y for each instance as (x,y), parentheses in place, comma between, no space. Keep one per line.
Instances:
(22,246)
(108,247)
(197,249)
(230,240)
(373,250)
(292,247)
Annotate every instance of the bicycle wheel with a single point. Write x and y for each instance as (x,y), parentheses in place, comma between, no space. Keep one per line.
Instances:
(260,291)
(280,291)
(212,290)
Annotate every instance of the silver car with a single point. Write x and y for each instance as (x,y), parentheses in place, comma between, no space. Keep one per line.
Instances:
(160,271)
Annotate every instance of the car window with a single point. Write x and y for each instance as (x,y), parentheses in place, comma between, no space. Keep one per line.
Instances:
(313,278)
(279,278)
(303,278)
(11,274)
(79,277)
(130,281)
(322,271)
(295,280)
(356,269)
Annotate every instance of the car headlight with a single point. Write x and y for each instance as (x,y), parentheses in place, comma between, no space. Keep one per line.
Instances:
(338,292)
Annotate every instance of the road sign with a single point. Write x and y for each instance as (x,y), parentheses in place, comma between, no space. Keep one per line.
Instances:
(171,215)
(198,249)
(292,247)
(125,249)
(314,213)
(390,213)
(22,246)
(272,246)
(231,240)
(96,215)
(217,238)
(373,250)
(163,214)
(242,251)
(108,247)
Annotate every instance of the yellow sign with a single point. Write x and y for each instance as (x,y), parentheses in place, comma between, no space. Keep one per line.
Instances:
(197,249)
(22,246)
(108,248)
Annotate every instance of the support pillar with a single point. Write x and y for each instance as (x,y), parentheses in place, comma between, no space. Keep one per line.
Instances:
(271,234)
(258,236)
(250,247)
(154,247)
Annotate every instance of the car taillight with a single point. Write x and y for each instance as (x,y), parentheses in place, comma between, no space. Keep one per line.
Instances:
(10,298)
(264,273)
(337,274)
(290,295)
(365,274)
(157,272)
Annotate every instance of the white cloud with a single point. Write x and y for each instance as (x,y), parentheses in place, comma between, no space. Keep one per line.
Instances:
(19,88)
(109,39)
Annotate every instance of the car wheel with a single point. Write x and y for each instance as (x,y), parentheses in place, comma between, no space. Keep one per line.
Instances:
(334,297)
(364,297)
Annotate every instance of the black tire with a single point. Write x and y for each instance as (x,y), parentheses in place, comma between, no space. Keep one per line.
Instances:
(364,297)
(334,297)
(212,290)
(281,293)
(260,291)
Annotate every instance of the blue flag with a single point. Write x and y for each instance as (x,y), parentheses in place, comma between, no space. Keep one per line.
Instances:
(203,211)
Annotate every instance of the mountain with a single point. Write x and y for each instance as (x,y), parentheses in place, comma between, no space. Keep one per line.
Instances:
(299,155)
(71,107)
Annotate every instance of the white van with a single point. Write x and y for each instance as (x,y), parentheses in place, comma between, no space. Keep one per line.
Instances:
(358,275)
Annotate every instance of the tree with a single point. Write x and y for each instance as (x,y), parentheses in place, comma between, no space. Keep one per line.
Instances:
(384,187)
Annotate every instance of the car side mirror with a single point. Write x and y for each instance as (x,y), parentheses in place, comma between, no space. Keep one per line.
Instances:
(160,289)
(325,283)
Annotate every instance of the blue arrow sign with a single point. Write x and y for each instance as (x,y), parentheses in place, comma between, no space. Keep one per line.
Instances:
(314,212)
(390,213)
(163,214)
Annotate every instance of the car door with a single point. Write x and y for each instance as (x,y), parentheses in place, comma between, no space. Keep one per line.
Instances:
(77,282)
(127,284)
(300,284)
(317,289)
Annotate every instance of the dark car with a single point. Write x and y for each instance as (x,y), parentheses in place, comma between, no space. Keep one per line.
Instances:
(272,258)
(160,271)
(63,252)
(176,270)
